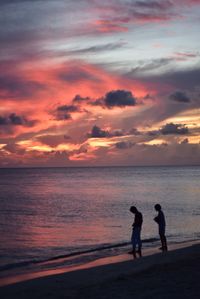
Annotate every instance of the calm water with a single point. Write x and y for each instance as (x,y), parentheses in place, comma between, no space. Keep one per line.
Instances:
(46,213)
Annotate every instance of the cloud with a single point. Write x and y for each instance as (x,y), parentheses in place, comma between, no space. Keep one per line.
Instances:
(52,140)
(112,99)
(134,131)
(158,5)
(192,2)
(180,97)
(14,148)
(96,49)
(179,79)
(15,120)
(78,99)
(172,128)
(77,75)
(119,98)
(150,66)
(110,26)
(124,145)
(186,55)
(3,121)
(122,14)
(64,112)
(3,2)
(16,87)
(67,108)
(169,129)
(98,133)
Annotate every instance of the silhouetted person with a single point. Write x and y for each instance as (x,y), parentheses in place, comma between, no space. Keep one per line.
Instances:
(136,233)
(160,219)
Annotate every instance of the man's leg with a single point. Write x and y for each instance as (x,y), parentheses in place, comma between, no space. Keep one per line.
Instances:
(163,241)
(134,242)
(139,243)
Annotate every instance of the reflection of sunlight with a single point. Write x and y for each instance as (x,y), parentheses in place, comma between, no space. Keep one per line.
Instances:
(194,139)
(189,118)
(82,157)
(30,145)
(2,145)
(155,142)
(67,147)
(100,142)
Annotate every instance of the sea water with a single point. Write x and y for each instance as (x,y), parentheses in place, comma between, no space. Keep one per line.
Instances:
(51,213)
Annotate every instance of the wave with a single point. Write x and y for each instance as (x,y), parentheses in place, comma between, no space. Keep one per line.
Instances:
(72,254)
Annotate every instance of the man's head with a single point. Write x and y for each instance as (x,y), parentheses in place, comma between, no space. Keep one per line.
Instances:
(157,207)
(133,209)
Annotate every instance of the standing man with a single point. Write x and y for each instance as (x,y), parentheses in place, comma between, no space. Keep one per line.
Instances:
(136,233)
(160,219)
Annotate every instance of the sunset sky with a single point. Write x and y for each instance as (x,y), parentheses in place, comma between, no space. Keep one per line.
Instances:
(94,83)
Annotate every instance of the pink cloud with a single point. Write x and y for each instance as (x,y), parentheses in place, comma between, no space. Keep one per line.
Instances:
(107,26)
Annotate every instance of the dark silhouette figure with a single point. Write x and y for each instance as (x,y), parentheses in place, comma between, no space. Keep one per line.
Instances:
(136,232)
(160,219)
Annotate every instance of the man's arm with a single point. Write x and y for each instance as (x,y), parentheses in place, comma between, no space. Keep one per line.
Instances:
(156,219)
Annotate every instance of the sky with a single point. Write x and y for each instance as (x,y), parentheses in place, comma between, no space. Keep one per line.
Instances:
(99,83)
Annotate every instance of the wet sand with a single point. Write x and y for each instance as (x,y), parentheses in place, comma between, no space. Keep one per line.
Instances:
(174,274)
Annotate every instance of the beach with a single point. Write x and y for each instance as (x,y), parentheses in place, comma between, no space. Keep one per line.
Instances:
(174,274)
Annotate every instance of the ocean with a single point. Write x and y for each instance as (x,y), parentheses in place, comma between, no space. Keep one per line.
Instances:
(81,214)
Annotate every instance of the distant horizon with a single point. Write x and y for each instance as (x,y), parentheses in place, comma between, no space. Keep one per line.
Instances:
(101,166)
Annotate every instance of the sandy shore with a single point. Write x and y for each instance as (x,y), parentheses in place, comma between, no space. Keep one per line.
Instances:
(174,274)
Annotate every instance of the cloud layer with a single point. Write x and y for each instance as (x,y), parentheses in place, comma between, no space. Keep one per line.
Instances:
(99,82)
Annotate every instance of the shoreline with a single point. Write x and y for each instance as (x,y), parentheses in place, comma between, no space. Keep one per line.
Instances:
(100,271)
(58,265)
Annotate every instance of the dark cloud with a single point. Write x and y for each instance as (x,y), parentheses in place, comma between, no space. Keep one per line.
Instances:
(134,131)
(15,120)
(98,133)
(118,133)
(68,108)
(172,128)
(119,98)
(165,83)
(114,98)
(98,102)
(180,97)
(64,112)
(78,99)
(153,133)
(62,116)
(3,121)
(13,86)
(169,129)
(158,5)
(187,79)
(77,74)
(124,145)
(151,65)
